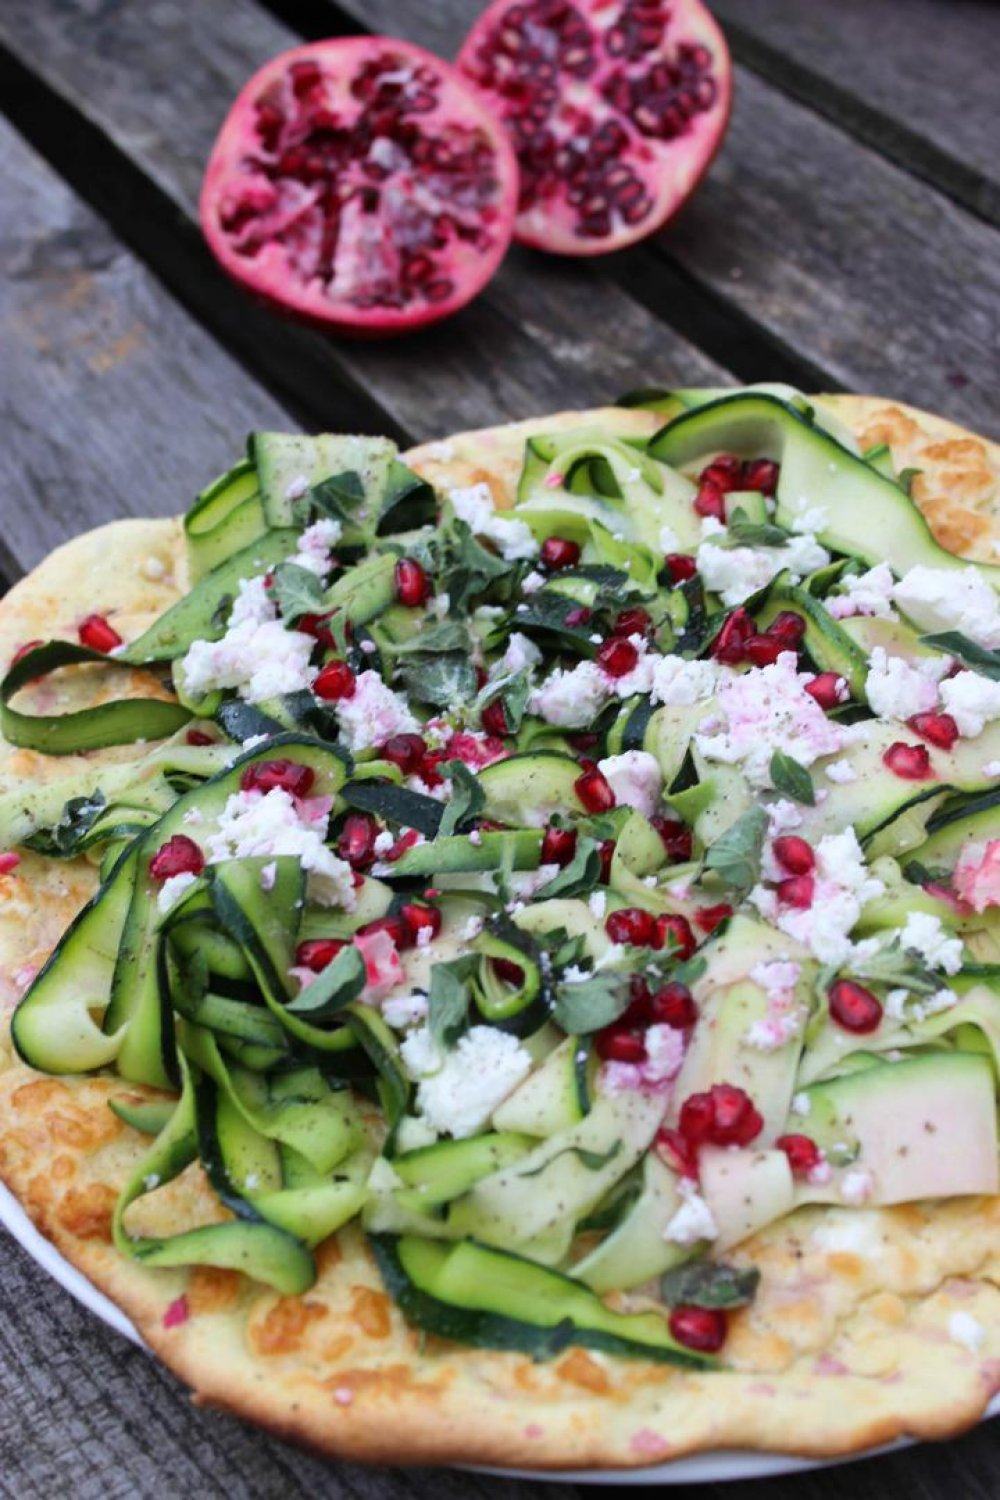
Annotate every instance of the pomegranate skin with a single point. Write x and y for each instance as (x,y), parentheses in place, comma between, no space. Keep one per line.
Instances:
(282,272)
(655,81)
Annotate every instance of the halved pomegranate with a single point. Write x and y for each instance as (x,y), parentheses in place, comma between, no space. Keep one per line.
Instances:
(360,184)
(615,108)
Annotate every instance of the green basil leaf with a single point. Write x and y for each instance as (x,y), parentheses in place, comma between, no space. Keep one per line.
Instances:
(592,1003)
(791,779)
(735,855)
(709,1283)
(448,1000)
(467,569)
(336,986)
(442,681)
(579,877)
(742,532)
(515,690)
(467,798)
(78,816)
(436,639)
(953,643)
(296,591)
(338,498)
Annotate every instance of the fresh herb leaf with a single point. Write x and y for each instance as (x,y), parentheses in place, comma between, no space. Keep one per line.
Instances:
(709,1283)
(549,613)
(296,591)
(742,532)
(220,615)
(448,1000)
(515,690)
(437,639)
(897,967)
(443,681)
(467,797)
(735,855)
(791,778)
(591,1003)
(338,498)
(953,643)
(408,501)
(467,569)
(77,818)
(579,877)
(336,986)
(395,804)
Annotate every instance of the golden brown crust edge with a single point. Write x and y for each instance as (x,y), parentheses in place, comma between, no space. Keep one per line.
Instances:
(275,1361)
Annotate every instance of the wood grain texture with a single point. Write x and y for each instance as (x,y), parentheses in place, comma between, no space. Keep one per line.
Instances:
(114,402)
(867,272)
(916,78)
(158,79)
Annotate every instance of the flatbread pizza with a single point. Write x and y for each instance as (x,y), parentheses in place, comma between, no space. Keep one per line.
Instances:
(500,944)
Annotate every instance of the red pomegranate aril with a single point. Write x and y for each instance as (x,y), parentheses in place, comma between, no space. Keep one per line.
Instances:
(700,1328)
(393,926)
(711,917)
(853,1007)
(405,751)
(356,842)
(802,1152)
(632,622)
(710,501)
(9,861)
(697,1119)
(827,689)
(680,1154)
(318,953)
(494,718)
(680,566)
(674,933)
(420,918)
(508,971)
(335,682)
(617,657)
(579,616)
(763,650)
(407,840)
(558,846)
(789,628)
(939,729)
(908,762)
(794,854)
(731,642)
(721,1116)
(673,1005)
(760,474)
(632,925)
(606,851)
(797,891)
(678,840)
(198,737)
(96,632)
(725,472)
(284,775)
(622,1044)
(319,628)
(413,587)
(558,552)
(594,791)
(178,856)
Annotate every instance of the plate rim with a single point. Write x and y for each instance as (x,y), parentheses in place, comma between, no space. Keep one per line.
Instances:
(714,1467)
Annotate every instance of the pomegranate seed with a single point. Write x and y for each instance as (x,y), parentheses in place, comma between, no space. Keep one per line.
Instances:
(606,850)
(198,737)
(711,917)
(632,622)
(797,891)
(22,651)
(336,681)
(285,775)
(763,650)
(940,729)
(559,552)
(420,918)
(318,628)
(674,932)
(357,838)
(680,566)
(700,1328)
(413,587)
(594,791)
(722,1116)
(760,474)
(677,1151)
(853,1007)
(710,501)
(579,616)
(697,1118)
(405,751)
(673,1005)
(677,837)
(802,1152)
(794,854)
(620,1044)
(428,768)
(508,971)
(9,861)
(726,472)
(909,762)
(96,633)
(395,927)
(178,856)
(828,690)
(789,628)
(405,841)
(731,642)
(584,741)
(630,924)
(617,657)
(494,718)
(558,846)
(318,953)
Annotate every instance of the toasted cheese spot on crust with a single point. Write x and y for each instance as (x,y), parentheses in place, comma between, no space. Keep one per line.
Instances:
(285,1325)
(87,1211)
(371,1311)
(579,1368)
(213,1289)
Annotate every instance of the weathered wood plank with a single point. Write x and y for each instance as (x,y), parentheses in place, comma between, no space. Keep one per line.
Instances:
(114,401)
(832,250)
(916,78)
(158,80)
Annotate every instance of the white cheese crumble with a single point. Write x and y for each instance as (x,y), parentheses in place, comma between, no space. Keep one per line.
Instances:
(401,1012)
(896,690)
(734,573)
(254,825)
(966,1330)
(597,901)
(635,778)
(801,1104)
(521,652)
(693,1221)
(457,1091)
(841,772)
(527,883)
(473,504)
(571,698)
(315,545)
(923,934)
(783,1016)
(972,700)
(680,683)
(373,714)
(172,890)
(843,885)
(939,599)
(532,582)
(865,594)
(768,709)
(257,656)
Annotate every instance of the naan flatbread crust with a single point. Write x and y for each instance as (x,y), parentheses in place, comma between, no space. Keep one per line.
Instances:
(857,1333)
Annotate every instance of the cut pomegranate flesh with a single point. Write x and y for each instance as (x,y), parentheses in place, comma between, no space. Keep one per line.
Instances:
(360,184)
(615,108)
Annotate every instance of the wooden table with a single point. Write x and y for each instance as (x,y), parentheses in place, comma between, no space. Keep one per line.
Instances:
(845,239)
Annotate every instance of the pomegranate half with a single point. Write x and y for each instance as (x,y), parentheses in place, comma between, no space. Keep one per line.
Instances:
(615,108)
(360,184)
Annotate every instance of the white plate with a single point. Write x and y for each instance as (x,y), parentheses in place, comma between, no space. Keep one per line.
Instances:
(703,1468)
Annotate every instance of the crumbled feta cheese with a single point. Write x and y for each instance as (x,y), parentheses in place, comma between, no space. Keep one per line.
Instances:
(693,1220)
(783,1017)
(857,1185)
(521,652)
(401,1012)
(532,582)
(527,883)
(681,683)
(966,1330)
(252,825)
(457,1091)
(923,934)
(977,874)
(813,518)
(315,545)
(802,554)
(841,771)
(154,569)
(257,656)
(842,886)
(734,573)
(895,1002)
(635,778)
(664,1053)
(864,594)
(801,1104)
(597,901)
(972,700)
(383,842)
(571,698)
(939,599)
(296,487)
(373,714)
(768,709)
(268,875)
(991,768)
(172,890)
(895,690)
(472,929)
(473,504)
(854,1233)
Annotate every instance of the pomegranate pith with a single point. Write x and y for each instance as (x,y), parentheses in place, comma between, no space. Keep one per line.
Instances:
(359,183)
(615,109)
